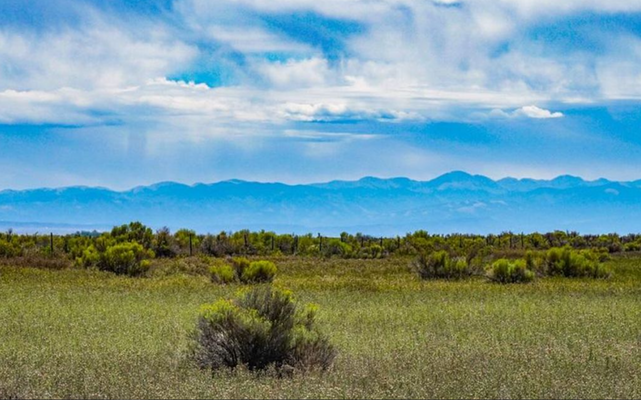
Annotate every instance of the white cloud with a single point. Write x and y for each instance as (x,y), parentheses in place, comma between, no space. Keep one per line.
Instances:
(525,112)
(97,55)
(537,113)
(296,73)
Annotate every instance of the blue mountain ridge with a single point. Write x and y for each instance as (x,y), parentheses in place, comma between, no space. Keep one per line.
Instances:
(453,202)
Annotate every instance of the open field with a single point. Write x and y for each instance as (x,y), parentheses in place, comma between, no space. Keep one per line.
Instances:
(83,333)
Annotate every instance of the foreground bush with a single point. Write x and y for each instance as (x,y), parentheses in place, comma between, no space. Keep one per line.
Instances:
(128,258)
(571,263)
(507,271)
(440,265)
(260,329)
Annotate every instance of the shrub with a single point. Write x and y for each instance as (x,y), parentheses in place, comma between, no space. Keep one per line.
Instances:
(222,273)
(9,249)
(507,271)
(570,263)
(240,265)
(259,271)
(164,244)
(534,261)
(440,265)
(128,258)
(259,329)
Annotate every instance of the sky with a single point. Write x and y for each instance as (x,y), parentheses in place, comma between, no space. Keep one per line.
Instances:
(120,93)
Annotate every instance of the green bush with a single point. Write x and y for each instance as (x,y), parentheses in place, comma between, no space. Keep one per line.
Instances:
(128,258)
(240,265)
(633,246)
(9,249)
(574,264)
(222,273)
(507,271)
(259,271)
(440,265)
(259,329)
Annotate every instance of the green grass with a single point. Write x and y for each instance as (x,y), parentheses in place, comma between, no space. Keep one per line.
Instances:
(77,333)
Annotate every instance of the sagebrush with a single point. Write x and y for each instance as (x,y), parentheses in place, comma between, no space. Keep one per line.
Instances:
(259,329)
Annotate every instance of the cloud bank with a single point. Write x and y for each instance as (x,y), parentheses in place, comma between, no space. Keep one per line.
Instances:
(445,84)
(277,61)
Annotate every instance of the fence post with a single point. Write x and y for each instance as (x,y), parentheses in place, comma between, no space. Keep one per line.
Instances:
(51,241)
(191,253)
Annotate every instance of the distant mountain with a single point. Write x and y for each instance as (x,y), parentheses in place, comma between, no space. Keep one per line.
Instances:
(454,202)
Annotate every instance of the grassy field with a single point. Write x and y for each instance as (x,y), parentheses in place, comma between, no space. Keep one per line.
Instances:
(79,333)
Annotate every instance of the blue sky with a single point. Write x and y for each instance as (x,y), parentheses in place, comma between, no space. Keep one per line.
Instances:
(121,93)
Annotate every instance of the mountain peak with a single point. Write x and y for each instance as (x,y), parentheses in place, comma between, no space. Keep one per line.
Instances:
(460,180)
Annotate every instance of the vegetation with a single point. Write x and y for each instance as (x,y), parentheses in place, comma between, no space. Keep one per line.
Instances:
(258,271)
(79,333)
(222,272)
(440,265)
(261,328)
(570,263)
(128,258)
(507,271)
(116,318)
(242,270)
(477,250)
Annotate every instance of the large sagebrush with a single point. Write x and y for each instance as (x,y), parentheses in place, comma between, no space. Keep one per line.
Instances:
(260,329)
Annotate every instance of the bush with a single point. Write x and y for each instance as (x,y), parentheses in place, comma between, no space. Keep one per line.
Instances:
(240,265)
(573,264)
(506,271)
(128,258)
(440,265)
(9,249)
(259,329)
(258,271)
(222,273)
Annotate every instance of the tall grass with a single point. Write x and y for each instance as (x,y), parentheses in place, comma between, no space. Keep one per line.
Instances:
(91,334)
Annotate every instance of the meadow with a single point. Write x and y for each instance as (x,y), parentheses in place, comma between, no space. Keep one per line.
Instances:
(84,333)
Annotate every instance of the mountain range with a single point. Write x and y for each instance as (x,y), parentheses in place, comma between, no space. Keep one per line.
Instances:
(454,202)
